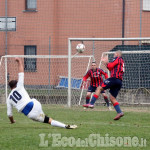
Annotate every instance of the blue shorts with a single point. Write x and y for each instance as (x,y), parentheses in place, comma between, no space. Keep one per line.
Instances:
(93,89)
(113,84)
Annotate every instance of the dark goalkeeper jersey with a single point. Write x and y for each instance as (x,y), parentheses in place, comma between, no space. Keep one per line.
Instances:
(95,76)
(116,67)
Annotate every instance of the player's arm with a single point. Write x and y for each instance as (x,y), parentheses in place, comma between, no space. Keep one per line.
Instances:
(111,65)
(11,119)
(104,60)
(86,76)
(20,65)
(20,82)
(9,112)
(105,74)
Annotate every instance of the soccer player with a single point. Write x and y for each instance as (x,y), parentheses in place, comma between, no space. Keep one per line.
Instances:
(114,83)
(32,108)
(96,80)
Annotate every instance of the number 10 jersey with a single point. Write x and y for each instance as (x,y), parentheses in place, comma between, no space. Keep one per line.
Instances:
(18,97)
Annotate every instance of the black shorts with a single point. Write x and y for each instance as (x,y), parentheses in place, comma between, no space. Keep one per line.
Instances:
(113,84)
(93,89)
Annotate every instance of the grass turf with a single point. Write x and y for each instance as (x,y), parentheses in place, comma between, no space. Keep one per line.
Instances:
(24,134)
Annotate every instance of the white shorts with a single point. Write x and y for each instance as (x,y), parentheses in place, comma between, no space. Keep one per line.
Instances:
(36,113)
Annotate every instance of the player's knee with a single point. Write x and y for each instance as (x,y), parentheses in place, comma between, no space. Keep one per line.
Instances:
(98,90)
(88,95)
(46,119)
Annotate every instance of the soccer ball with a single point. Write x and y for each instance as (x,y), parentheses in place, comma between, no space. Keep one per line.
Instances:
(80,48)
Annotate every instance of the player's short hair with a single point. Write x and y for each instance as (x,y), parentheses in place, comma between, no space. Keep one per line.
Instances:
(119,53)
(94,62)
(12,84)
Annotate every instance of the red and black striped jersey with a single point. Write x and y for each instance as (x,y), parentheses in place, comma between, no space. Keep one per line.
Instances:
(116,67)
(95,76)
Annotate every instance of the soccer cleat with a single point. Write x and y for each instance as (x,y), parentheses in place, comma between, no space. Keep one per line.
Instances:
(86,105)
(71,126)
(91,106)
(119,116)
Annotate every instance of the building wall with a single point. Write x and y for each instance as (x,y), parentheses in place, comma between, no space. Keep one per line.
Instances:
(56,20)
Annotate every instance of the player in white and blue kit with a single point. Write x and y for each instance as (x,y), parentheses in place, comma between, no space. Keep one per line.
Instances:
(32,108)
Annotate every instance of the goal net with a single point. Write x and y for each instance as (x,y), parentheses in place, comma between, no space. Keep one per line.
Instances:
(136,55)
(136,79)
(46,77)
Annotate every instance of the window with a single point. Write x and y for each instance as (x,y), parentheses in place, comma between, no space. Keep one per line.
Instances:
(9,25)
(146,5)
(30,63)
(31,4)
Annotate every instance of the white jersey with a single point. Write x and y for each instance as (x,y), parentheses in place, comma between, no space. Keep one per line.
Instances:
(18,97)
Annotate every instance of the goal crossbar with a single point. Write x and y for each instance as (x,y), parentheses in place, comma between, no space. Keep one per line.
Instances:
(130,52)
(46,56)
(109,39)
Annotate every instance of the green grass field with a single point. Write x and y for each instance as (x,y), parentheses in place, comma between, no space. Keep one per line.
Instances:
(24,134)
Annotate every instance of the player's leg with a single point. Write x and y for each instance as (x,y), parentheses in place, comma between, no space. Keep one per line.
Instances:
(117,107)
(59,124)
(114,90)
(106,99)
(37,114)
(88,96)
(91,89)
(105,85)
(95,96)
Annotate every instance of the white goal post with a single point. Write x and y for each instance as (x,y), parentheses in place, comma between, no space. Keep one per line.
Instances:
(46,77)
(136,83)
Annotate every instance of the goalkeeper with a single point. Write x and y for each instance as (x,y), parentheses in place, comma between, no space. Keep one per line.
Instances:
(32,108)
(95,75)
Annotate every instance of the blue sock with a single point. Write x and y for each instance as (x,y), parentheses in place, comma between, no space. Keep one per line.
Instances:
(94,98)
(87,100)
(117,107)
